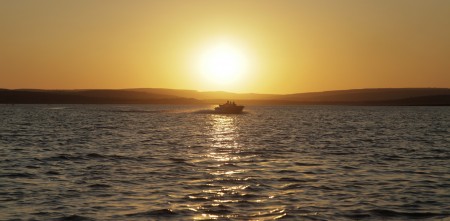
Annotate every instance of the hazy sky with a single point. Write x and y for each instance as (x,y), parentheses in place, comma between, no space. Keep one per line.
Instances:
(289,45)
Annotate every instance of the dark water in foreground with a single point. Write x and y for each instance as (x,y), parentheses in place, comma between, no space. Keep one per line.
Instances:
(115,162)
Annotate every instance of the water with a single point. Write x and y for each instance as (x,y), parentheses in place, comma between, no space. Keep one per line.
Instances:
(137,162)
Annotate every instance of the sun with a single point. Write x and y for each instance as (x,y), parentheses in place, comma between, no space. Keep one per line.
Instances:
(223,63)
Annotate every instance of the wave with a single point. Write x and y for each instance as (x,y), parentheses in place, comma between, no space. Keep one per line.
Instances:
(60,157)
(18,175)
(307,164)
(100,186)
(141,111)
(384,213)
(95,155)
(56,108)
(154,213)
(51,172)
(74,157)
(293,186)
(74,218)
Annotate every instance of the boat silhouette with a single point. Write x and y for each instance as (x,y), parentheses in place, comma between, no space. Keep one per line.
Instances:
(228,108)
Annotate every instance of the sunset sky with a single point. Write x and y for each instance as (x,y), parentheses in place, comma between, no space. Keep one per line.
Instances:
(261,46)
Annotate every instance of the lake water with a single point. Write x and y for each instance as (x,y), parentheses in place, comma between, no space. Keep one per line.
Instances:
(150,162)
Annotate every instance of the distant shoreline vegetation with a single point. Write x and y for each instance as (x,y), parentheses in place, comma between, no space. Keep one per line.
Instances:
(369,97)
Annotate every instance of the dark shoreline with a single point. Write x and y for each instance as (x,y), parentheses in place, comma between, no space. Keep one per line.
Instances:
(361,97)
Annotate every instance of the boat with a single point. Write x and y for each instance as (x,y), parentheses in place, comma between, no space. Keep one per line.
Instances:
(228,108)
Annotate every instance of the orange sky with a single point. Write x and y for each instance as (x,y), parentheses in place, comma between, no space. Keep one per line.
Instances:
(291,45)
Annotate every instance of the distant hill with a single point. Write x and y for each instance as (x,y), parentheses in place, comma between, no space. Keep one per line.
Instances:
(390,96)
(435,100)
(366,95)
(25,96)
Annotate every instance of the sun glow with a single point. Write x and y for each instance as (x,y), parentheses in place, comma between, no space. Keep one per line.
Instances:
(223,63)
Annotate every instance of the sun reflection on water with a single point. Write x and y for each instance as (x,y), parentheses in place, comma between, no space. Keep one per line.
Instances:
(224,140)
(224,131)
(223,157)
(229,189)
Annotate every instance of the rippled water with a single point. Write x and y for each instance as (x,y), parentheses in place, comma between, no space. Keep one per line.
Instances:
(111,162)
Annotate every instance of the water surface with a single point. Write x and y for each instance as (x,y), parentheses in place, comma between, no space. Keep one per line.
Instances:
(139,162)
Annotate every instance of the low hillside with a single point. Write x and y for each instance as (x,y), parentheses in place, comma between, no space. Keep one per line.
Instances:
(396,96)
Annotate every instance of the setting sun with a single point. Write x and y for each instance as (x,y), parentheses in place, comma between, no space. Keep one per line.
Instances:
(223,63)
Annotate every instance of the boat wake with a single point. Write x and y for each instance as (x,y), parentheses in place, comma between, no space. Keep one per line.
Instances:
(203,112)
(215,112)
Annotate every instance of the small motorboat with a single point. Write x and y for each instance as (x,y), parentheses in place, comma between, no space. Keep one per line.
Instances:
(228,108)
